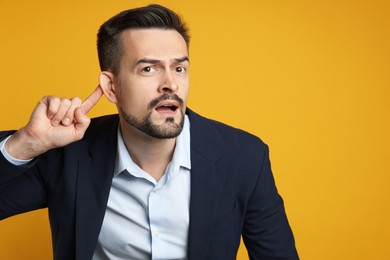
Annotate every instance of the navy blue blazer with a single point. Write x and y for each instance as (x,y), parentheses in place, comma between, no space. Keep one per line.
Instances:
(232,192)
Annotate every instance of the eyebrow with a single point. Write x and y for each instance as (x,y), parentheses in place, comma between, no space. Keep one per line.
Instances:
(156,61)
(185,58)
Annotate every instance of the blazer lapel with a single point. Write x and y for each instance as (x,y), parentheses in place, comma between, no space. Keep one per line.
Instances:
(95,174)
(206,188)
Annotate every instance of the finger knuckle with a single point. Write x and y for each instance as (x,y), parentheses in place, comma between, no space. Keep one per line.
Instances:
(76,100)
(66,101)
(53,100)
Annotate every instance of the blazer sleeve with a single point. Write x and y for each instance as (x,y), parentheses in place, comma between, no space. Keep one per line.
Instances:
(266,232)
(21,187)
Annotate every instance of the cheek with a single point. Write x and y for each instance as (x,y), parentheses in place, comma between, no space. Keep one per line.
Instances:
(132,101)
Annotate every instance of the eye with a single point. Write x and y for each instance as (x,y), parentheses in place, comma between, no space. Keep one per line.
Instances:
(180,69)
(148,69)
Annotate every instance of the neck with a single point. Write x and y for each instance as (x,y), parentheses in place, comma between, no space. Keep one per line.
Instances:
(151,154)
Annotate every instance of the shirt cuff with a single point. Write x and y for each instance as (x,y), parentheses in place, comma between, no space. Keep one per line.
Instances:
(14,161)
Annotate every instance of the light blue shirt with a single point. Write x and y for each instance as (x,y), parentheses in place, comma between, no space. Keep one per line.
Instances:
(146,219)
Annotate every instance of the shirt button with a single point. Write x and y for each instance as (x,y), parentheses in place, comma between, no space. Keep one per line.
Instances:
(157,233)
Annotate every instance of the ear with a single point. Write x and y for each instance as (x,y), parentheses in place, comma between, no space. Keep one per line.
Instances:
(106,82)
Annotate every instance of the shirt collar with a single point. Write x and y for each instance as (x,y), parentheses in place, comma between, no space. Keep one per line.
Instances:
(181,156)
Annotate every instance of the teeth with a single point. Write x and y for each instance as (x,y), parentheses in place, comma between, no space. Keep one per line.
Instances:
(170,106)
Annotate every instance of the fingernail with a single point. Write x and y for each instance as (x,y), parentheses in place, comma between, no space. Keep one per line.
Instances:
(66,121)
(55,123)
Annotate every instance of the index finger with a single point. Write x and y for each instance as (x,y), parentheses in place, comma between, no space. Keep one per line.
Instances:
(92,100)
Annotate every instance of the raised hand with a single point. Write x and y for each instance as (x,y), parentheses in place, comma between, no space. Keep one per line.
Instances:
(55,122)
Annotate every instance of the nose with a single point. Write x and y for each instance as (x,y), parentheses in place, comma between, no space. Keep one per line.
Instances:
(168,83)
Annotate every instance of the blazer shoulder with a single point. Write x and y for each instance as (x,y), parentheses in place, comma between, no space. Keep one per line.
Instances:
(236,135)
(230,137)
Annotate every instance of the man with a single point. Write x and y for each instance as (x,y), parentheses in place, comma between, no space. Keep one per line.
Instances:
(156,181)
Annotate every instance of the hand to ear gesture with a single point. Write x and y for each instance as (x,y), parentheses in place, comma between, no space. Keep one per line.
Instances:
(55,122)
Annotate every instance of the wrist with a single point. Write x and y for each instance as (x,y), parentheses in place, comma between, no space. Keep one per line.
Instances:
(22,146)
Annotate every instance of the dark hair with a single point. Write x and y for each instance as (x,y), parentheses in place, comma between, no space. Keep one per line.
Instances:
(109,43)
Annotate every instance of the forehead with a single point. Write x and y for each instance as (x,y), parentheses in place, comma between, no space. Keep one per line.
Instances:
(140,43)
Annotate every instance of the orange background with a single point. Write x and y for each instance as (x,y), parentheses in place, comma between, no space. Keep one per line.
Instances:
(311,78)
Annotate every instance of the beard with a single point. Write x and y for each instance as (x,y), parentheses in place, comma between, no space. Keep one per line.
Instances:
(169,129)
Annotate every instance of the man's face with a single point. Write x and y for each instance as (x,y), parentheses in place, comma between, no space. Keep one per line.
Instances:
(152,84)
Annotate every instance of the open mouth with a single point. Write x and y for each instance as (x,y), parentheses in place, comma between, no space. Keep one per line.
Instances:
(167,108)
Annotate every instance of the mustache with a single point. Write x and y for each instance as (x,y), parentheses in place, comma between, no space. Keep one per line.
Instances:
(163,97)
